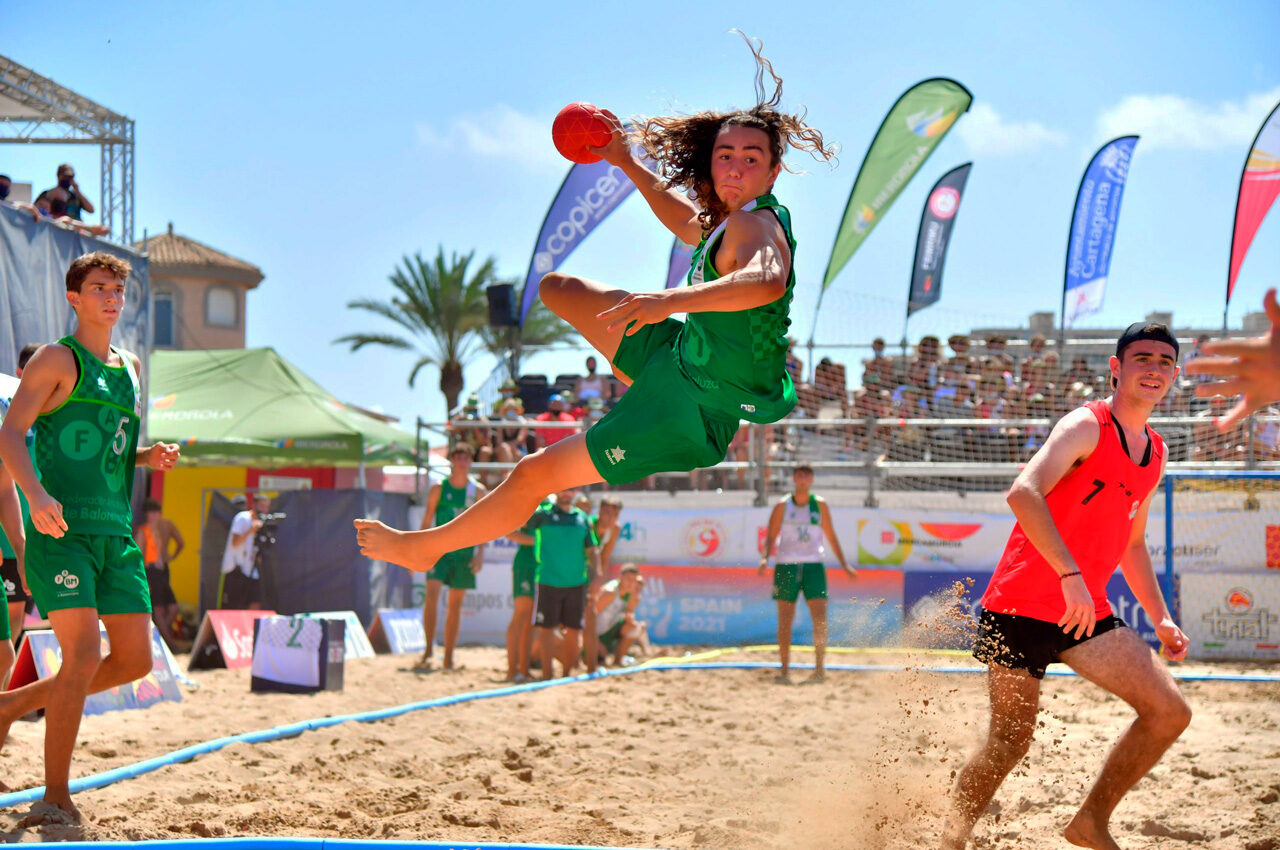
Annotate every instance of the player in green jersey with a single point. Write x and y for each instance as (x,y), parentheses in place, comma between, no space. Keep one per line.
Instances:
(82,395)
(691,381)
(456,570)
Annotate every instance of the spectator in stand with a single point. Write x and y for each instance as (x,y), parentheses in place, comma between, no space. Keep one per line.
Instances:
(795,366)
(1035,435)
(959,345)
(951,394)
(594,412)
(511,437)
(1212,444)
(57,212)
(509,391)
(1079,370)
(555,413)
(879,364)
(76,202)
(1195,353)
(1035,375)
(1052,364)
(1035,351)
(996,348)
(591,385)
(478,439)
(573,406)
(6,185)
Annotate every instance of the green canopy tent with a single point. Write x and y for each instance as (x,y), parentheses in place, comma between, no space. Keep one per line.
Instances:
(252,407)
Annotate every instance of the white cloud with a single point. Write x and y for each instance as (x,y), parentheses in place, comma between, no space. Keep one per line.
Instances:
(987,134)
(499,132)
(1172,121)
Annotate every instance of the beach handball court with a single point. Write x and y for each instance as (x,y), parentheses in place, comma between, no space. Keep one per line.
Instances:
(705,751)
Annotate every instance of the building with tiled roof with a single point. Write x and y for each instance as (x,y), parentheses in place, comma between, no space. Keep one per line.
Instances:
(198,291)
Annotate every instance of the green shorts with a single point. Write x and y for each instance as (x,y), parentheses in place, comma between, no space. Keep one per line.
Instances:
(611,636)
(454,569)
(522,575)
(790,579)
(657,426)
(87,571)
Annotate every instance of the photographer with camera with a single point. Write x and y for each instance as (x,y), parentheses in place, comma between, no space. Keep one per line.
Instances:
(250,534)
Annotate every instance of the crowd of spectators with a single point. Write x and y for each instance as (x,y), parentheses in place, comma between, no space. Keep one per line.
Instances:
(63,203)
(964,379)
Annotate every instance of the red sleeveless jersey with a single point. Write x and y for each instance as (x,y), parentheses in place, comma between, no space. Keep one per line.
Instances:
(1093,507)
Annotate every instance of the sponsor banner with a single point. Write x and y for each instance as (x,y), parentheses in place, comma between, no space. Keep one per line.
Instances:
(41,657)
(725,606)
(916,123)
(225,639)
(870,537)
(1259,186)
(678,265)
(355,641)
(941,610)
(398,631)
(1231,615)
(588,194)
(936,221)
(1093,229)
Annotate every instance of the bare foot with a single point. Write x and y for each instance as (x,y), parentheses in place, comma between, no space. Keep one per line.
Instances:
(4,733)
(782,679)
(423,664)
(1085,831)
(380,542)
(50,813)
(817,677)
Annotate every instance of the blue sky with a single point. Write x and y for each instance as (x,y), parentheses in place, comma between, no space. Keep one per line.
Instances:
(323,141)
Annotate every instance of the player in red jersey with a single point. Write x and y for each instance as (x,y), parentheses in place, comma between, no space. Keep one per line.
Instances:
(1081,505)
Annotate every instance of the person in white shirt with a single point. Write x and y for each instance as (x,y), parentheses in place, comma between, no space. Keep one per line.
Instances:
(616,622)
(798,527)
(241,585)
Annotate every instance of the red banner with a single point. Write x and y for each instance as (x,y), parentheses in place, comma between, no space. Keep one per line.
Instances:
(1259,186)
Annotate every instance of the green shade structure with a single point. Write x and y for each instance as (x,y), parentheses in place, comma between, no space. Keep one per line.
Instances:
(253,407)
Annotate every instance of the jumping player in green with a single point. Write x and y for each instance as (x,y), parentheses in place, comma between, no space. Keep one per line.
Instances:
(691,381)
(456,570)
(82,395)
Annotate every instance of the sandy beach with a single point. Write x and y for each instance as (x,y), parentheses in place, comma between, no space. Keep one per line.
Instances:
(680,759)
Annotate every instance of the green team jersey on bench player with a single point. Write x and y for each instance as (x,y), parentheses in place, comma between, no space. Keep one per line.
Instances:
(454,568)
(86,450)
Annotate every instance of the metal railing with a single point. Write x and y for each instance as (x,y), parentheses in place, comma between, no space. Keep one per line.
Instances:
(877,454)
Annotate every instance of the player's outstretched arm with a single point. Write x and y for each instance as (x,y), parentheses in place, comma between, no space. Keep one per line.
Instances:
(676,212)
(1140,575)
(50,368)
(1070,442)
(758,276)
(771,535)
(1249,368)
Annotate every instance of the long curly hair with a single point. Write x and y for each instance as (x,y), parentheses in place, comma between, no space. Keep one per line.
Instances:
(682,145)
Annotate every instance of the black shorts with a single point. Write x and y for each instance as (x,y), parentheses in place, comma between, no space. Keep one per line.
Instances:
(239,591)
(12,581)
(1024,643)
(158,585)
(560,606)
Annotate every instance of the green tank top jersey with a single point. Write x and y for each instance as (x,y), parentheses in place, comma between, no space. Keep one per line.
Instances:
(453,501)
(738,360)
(86,447)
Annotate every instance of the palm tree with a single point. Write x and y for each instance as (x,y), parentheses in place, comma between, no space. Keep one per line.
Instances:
(541,327)
(441,304)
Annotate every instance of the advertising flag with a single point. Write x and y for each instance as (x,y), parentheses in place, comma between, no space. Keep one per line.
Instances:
(1093,229)
(1259,186)
(918,121)
(678,266)
(586,197)
(936,221)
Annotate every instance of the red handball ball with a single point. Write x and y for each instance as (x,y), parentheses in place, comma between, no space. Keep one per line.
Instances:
(576,128)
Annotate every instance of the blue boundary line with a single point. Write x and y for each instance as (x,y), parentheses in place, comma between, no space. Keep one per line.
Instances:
(291,730)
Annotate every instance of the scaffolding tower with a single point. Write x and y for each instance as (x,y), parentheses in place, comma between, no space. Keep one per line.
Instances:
(36,110)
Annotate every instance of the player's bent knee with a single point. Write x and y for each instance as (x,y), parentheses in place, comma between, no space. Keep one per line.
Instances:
(1173,717)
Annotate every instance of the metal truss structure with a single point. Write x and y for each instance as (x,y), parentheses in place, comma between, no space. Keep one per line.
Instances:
(36,110)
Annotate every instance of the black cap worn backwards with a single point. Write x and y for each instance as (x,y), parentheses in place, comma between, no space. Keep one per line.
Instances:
(1146,330)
